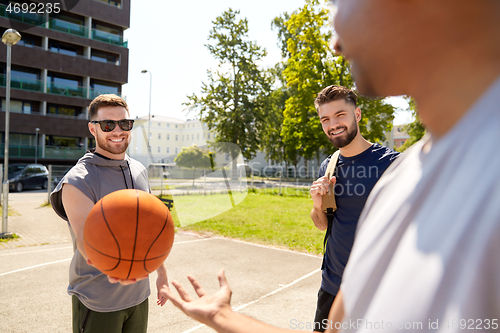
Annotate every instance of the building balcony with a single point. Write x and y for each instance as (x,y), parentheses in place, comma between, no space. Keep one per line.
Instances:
(64,26)
(23,84)
(71,91)
(62,153)
(68,27)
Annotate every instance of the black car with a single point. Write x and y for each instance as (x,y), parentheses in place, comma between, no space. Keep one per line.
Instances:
(24,176)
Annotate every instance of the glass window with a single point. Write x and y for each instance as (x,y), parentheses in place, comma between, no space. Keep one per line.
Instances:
(168,150)
(102,56)
(168,136)
(176,138)
(18,106)
(159,150)
(65,48)
(176,150)
(159,136)
(105,87)
(63,110)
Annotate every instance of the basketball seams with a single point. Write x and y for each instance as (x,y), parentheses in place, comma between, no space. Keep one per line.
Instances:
(154,241)
(136,232)
(139,250)
(112,234)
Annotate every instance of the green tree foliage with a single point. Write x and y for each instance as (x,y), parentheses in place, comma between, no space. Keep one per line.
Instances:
(194,158)
(231,101)
(415,129)
(311,65)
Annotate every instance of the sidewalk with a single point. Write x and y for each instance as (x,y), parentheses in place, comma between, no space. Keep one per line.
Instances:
(34,224)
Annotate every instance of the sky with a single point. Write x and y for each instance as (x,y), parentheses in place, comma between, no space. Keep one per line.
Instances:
(168,37)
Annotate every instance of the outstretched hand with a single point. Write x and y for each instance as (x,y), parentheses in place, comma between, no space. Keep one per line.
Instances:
(206,307)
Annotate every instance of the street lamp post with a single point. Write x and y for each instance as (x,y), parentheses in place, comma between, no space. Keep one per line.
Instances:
(36,143)
(149,115)
(9,38)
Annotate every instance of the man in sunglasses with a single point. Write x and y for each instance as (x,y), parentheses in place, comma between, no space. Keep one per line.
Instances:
(101,303)
(425,255)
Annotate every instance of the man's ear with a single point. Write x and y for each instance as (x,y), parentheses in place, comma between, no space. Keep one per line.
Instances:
(357,113)
(92,129)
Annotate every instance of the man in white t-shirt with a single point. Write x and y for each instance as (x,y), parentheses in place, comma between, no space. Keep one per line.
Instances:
(426,252)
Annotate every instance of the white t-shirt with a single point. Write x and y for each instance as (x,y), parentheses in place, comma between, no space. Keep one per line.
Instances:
(427,247)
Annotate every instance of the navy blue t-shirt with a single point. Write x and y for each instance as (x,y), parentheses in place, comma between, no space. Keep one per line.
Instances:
(356,177)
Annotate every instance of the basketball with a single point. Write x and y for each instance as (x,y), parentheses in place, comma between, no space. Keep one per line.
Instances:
(128,234)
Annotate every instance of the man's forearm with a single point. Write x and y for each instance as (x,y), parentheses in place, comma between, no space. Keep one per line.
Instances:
(319,218)
(228,321)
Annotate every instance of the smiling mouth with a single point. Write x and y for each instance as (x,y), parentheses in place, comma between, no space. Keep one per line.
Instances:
(117,140)
(337,132)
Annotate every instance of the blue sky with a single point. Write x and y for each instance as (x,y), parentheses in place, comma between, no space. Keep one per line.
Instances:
(167,38)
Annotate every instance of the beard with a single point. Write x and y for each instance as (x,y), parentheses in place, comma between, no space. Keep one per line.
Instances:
(346,137)
(102,142)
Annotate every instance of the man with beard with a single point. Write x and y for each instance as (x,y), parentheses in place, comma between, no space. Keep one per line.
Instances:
(101,303)
(425,258)
(360,165)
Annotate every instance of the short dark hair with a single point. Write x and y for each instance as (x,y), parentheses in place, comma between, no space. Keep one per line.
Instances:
(333,93)
(104,100)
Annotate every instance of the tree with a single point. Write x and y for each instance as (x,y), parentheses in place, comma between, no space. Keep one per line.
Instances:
(310,66)
(415,129)
(231,102)
(193,158)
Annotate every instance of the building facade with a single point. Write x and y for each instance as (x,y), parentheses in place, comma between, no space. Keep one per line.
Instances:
(62,62)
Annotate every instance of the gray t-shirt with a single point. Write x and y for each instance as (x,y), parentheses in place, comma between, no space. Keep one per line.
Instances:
(96,177)
(426,252)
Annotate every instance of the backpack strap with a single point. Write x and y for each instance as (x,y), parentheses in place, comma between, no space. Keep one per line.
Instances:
(329,205)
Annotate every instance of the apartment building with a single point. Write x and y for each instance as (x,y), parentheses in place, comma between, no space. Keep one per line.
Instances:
(167,138)
(62,62)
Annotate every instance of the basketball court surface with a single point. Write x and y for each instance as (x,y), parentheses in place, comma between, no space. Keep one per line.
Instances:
(274,285)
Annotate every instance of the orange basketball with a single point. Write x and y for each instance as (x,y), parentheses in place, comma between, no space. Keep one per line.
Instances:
(128,234)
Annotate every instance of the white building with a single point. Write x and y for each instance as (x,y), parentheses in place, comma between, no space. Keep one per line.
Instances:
(167,138)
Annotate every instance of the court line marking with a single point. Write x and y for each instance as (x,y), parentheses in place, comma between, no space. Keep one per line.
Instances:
(41,265)
(241,307)
(70,247)
(36,251)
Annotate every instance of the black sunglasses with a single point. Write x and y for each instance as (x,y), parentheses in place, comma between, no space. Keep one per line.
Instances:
(109,125)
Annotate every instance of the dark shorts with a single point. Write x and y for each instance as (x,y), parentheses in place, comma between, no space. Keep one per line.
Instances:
(131,320)
(325,301)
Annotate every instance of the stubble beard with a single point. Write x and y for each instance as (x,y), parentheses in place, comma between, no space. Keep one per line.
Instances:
(104,145)
(346,138)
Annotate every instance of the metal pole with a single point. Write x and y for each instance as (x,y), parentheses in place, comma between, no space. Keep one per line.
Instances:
(36,143)
(5,210)
(49,185)
(149,115)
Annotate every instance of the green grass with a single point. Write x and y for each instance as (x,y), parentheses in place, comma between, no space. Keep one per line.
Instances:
(261,217)
(5,240)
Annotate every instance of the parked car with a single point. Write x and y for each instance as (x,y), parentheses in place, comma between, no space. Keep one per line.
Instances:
(24,176)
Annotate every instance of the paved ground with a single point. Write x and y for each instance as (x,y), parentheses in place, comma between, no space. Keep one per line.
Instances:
(273,285)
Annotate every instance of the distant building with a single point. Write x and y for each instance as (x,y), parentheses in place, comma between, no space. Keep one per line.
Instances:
(397,137)
(167,138)
(62,62)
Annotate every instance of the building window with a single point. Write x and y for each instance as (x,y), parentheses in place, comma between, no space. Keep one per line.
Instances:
(103,87)
(176,138)
(159,124)
(192,136)
(168,125)
(198,136)
(65,48)
(105,57)
(18,106)
(168,150)
(175,126)
(168,136)
(227,157)
(159,150)
(208,136)
(176,150)
(64,110)
(159,136)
